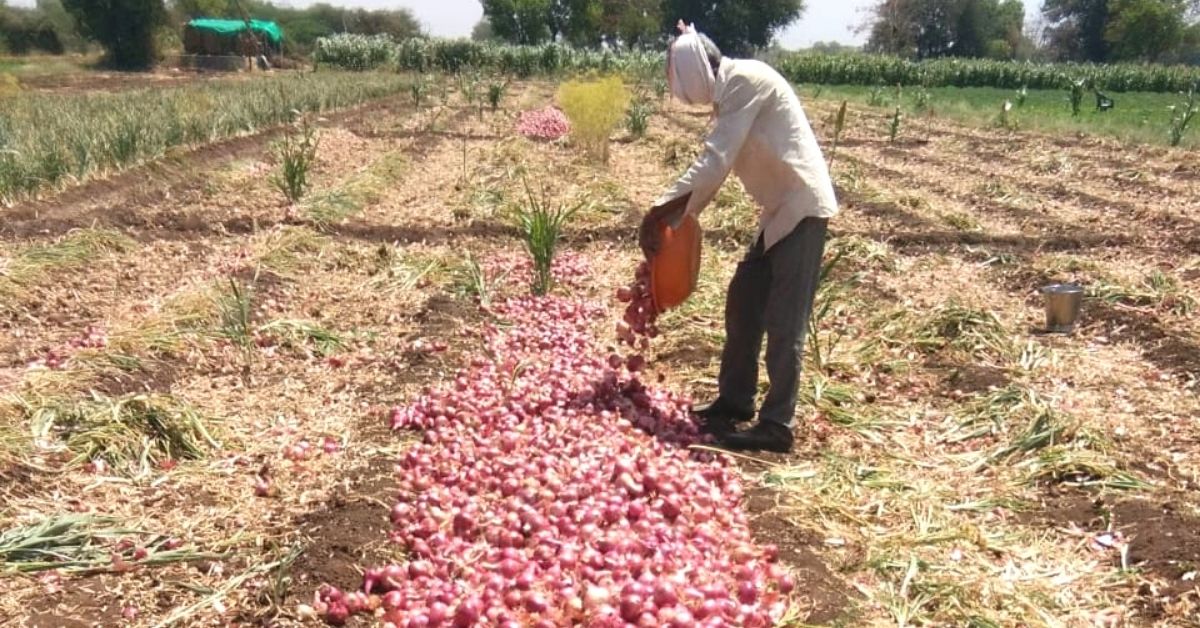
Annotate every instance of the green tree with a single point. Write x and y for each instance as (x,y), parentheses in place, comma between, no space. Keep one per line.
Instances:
(1146,30)
(400,24)
(188,9)
(1077,29)
(520,21)
(63,24)
(635,23)
(938,28)
(483,31)
(125,28)
(1118,30)
(739,27)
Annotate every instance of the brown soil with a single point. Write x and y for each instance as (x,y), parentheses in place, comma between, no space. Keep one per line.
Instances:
(346,533)
(1163,538)
(824,596)
(77,609)
(117,81)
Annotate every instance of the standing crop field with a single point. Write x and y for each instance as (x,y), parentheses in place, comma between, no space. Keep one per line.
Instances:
(1137,117)
(391,394)
(358,52)
(46,139)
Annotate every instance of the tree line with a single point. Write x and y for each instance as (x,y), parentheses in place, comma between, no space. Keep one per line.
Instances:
(132,32)
(737,26)
(1066,30)
(1164,31)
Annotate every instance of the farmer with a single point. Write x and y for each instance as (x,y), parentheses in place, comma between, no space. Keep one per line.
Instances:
(762,134)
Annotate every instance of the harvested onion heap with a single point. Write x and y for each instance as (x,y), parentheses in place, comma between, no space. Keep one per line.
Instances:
(554,489)
(515,269)
(548,123)
(637,327)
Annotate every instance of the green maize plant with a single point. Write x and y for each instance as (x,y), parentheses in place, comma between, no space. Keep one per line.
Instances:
(1075,96)
(418,89)
(876,99)
(858,69)
(355,52)
(839,124)
(637,119)
(922,100)
(1182,115)
(1005,121)
(468,86)
(495,94)
(894,125)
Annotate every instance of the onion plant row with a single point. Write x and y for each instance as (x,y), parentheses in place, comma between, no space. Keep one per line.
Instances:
(49,139)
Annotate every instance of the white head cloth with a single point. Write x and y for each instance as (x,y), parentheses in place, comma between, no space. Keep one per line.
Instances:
(688,70)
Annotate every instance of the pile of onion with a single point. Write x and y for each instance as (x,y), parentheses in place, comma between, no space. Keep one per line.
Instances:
(548,123)
(552,487)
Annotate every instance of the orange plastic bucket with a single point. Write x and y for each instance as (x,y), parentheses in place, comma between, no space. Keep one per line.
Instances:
(675,269)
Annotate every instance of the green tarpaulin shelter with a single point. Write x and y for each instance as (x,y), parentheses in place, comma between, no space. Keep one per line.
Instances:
(263,28)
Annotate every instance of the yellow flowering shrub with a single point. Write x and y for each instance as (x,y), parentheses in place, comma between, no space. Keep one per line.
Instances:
(595,108)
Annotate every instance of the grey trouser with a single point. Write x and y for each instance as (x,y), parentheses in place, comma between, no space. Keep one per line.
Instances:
(771,292)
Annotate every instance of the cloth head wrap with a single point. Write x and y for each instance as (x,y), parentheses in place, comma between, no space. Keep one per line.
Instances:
(688,70)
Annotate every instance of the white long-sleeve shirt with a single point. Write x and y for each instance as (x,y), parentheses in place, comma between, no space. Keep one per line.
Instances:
(761,134)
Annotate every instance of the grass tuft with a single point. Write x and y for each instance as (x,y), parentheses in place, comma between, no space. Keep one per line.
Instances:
(135,432)
(963,328)
(84,542)
(471,280)
(76,248)
(281,250)
(299,333)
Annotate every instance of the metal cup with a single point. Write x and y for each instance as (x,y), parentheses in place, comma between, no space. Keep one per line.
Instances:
(1063,304)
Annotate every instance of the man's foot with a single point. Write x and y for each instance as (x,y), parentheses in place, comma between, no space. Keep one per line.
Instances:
(719,417)
(764,436)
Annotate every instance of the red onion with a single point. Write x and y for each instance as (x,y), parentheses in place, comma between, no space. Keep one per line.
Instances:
(748,592)
(536,603)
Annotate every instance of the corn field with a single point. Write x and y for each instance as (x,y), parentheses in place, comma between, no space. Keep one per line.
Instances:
(47,139)
(356,52)
(883,70)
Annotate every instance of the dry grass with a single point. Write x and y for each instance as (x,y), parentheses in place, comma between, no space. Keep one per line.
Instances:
(24,267)
(132,434)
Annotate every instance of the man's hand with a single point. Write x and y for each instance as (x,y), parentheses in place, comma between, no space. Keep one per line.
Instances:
(650,233)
